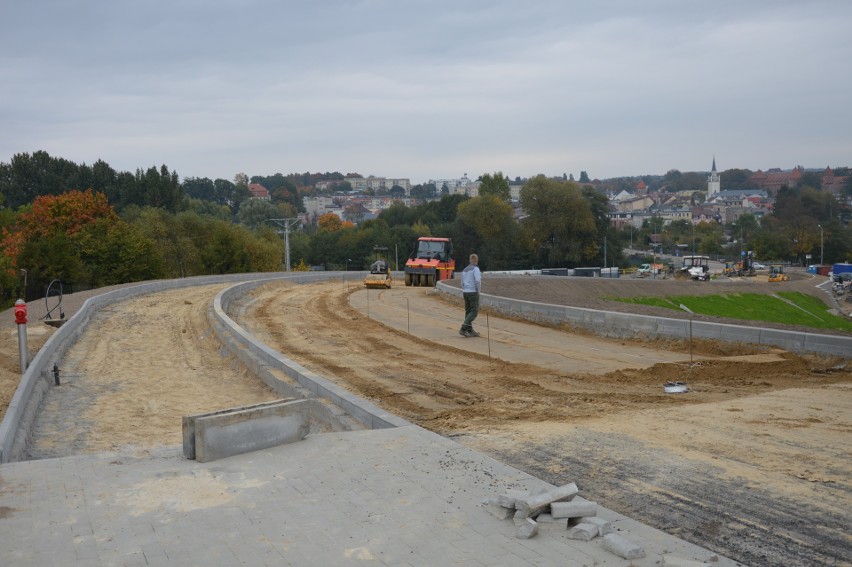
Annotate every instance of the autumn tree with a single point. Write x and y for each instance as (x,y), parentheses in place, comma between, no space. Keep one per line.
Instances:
(78,238)
(329,222)
(67,214)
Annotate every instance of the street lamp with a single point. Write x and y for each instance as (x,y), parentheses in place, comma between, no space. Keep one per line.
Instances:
(820,244)
(693,238)
(741,239)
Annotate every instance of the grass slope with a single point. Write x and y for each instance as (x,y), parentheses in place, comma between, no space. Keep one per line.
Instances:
(789,308)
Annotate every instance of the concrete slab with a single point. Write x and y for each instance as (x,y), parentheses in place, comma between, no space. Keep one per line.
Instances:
(398,496)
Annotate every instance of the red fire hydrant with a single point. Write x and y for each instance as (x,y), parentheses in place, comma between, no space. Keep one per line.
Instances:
(21,320)
(21,312)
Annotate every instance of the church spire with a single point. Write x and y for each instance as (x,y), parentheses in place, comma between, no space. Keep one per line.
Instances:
(714,182)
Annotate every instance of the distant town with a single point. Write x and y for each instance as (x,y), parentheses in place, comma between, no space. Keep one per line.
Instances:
(694,197)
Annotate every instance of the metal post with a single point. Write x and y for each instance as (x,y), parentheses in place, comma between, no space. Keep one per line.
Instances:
(693,238)
(488,334)
(820,244)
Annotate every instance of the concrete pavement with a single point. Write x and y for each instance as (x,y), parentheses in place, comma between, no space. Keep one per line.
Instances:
(400,496)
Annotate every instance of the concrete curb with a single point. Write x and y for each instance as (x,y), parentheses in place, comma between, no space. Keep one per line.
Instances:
(20,414)
(626,325)
(260,359)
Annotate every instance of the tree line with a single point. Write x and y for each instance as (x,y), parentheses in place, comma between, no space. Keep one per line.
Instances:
(90,226)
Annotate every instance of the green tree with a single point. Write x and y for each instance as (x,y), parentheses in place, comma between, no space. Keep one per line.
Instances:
(117,252)
(256,212)
(496,185)
(492,230)
(560,222)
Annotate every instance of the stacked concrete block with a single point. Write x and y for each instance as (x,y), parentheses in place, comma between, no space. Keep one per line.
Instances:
(573,509)
(534,505)
(560,506)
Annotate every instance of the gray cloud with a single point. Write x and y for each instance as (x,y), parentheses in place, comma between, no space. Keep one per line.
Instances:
(428,88)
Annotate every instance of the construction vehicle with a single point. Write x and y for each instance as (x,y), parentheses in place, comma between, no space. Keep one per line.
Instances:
(776,273)
(694,268)
(380,273)
(430,262)
(741,269)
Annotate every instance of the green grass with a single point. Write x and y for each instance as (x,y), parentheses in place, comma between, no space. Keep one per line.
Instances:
(789,308)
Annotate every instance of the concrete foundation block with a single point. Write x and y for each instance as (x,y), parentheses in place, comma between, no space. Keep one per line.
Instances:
(544,518)
(535,504)
(527,530)
(583,532)
(622,547)
(520,517)
(573,509)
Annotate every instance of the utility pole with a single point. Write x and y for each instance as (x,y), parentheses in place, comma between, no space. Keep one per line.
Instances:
(820,244)
(286,224)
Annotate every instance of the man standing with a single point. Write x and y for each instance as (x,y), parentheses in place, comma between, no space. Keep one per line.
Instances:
(471,284)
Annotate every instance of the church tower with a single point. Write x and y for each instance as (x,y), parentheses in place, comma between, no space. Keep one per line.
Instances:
(714,182)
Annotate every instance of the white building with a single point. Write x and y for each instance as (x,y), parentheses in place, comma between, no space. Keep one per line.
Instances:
(714,182)
(455,186)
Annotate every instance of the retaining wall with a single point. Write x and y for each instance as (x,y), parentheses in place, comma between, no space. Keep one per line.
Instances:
(621,325)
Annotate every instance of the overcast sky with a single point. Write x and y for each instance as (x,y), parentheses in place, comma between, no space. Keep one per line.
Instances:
(428,89)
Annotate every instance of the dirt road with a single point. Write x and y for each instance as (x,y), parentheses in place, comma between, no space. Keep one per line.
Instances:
(753,463)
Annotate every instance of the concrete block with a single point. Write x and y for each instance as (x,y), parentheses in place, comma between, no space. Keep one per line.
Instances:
(188,424)
(509,498)
(527,530)
(544,518)
(536,504)
(583,532)
(520,517)
(604,526)
(573,509)
(233,433)
(622,547)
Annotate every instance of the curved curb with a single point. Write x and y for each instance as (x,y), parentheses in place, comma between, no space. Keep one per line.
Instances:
(260,358)
(15,429)
(626,325)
